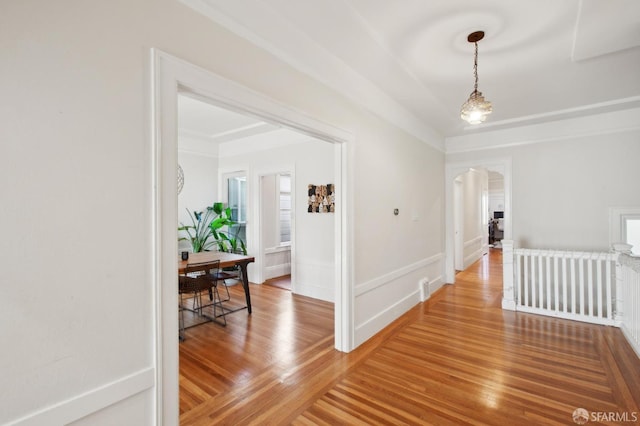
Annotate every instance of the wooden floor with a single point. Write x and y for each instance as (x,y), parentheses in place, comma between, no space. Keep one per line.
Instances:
(456,359)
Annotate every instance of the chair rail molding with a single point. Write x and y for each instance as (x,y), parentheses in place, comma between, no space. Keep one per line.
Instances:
(92,401)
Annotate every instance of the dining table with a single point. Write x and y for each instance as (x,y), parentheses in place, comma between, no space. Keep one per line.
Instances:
(227,260)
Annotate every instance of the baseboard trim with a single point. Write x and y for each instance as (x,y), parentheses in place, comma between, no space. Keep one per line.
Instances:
(92,401)
(376,323)
(394,275)
(277,270)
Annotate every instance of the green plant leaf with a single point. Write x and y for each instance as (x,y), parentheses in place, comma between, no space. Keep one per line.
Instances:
(218,208)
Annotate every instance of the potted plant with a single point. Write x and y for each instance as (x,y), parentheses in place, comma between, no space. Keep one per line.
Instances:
(207,230)
(226,241)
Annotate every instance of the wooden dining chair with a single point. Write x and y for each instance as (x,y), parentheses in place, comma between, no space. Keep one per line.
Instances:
(200,278)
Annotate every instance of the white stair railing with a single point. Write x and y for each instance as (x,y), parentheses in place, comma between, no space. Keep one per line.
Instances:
(601,288)
(572,285)
(628,303)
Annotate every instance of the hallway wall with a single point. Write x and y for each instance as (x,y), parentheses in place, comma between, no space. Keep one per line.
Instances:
(79,197)
(562,188)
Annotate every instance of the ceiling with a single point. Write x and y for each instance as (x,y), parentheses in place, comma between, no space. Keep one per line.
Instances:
(409,60)
(204,121)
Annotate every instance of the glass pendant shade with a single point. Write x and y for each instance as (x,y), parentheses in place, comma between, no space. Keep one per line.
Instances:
(475,109)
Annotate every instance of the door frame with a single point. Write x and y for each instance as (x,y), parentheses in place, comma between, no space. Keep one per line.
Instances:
(170,76)
(453,170)
(259,174)
(458,223)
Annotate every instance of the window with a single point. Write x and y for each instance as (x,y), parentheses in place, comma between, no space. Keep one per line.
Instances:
(632,233)
(285,208)
(237,202)
(625,227)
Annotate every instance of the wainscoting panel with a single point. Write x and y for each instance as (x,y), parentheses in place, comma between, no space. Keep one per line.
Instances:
(473,250)
(93,401)
(277,262)
(315,279)
(382,300)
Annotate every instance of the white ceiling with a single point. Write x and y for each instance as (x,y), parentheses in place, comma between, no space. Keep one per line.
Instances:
(204,121)
(409,60)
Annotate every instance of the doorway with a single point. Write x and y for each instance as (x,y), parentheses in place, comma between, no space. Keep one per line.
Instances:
(171,76)
(452,172)
(277,212)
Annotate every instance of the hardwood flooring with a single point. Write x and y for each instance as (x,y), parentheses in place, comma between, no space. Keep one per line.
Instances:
(283,282)
(456,359)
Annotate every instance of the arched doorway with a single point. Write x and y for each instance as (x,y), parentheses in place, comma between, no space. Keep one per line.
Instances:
(452,172)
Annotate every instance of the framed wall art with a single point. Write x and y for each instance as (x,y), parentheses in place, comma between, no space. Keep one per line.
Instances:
(321,198)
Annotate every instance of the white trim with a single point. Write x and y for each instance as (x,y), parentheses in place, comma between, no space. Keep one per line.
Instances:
(170,76)
(92,401)
(473,241)
(394,275)
(563,114)
(275,271)
(307,56)
(256,180)
(476,254)
(617,218)
(593,125)
(452,170)
(278,249)
(377,322)
(568,316)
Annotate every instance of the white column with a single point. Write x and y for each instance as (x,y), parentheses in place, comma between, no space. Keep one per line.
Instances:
(508,295)
(618,313)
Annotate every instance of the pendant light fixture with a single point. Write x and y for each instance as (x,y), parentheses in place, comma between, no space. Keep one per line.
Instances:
(475,109)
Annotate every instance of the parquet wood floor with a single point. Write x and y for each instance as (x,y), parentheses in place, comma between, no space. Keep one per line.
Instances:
(456,359)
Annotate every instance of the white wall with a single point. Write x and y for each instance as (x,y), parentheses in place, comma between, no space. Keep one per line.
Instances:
(562,188)
(77,296)
(311,162)
(393,253)
(496,195)
(474,185)
(269,211)
(200,186)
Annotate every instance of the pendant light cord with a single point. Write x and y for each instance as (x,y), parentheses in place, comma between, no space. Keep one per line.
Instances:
(475,68)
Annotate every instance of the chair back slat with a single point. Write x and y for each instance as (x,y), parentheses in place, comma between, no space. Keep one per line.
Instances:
(198,277)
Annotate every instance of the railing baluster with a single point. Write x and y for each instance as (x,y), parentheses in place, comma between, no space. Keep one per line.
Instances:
(525,278)
(581,285)
(589,288)
(573,284)
(565,284)
(549,298)
(540,282)
(556,282)
(599,311)
(534,282)
(609,286)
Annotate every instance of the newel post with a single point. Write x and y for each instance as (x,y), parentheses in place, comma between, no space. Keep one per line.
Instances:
(620,250)
(508,295)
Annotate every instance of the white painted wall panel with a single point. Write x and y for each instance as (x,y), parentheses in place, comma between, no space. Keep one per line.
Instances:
(200,187)
(77,192)
(562,189)
(314,232)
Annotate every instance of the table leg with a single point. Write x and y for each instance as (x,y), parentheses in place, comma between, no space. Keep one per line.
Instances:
(245,283)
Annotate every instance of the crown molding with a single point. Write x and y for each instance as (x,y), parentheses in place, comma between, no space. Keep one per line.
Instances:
(588,125)
(268,30)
